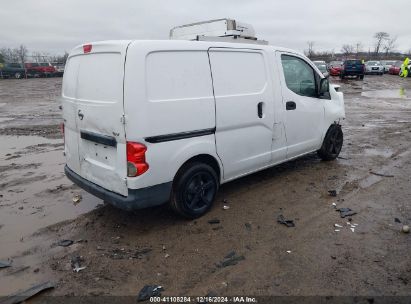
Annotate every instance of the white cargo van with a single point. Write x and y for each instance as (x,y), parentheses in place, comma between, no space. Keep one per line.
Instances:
(150,122)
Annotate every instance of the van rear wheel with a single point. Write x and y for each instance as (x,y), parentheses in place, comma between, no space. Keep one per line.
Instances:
(332,143)
(194,190)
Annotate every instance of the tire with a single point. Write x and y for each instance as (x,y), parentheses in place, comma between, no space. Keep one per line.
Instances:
(332,143)
(194,189)
(17,75)
(341,76)
(361,77)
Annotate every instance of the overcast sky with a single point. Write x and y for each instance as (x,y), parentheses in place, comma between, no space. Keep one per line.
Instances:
(54,26)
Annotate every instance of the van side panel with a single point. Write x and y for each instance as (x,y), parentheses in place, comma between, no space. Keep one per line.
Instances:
(168,92)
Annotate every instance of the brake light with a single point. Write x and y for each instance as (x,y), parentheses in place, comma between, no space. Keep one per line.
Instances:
(136,159)
(87,48)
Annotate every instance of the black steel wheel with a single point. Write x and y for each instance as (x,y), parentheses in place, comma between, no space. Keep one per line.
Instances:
(194,190)
(332,144)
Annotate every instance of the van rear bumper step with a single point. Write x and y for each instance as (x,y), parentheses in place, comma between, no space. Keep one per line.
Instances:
(136,199)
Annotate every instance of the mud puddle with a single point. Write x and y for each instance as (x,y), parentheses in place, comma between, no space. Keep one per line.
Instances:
(34,192)
(389,94)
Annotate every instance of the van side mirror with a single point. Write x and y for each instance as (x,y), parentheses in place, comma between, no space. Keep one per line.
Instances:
(324,89)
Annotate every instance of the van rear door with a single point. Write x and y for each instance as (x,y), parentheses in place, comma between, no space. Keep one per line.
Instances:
(93,100)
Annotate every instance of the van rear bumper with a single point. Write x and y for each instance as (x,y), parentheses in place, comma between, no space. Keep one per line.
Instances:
(136,199)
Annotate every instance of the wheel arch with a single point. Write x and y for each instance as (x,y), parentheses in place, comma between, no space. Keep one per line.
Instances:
(202,158)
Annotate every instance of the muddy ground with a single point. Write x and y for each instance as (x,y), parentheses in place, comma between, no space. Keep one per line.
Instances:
(122,251)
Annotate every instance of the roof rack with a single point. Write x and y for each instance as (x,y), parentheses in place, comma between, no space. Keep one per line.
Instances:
(222,30)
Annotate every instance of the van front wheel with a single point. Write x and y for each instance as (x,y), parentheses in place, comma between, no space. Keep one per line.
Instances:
(332,143)
(194,190)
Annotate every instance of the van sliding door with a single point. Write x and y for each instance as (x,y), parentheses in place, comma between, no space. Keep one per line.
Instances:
(244,109)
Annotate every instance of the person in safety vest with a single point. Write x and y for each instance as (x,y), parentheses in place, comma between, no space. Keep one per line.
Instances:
(405,68)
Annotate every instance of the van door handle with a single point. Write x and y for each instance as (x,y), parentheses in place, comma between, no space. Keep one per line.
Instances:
(290,105)
(80,115)
(260,109)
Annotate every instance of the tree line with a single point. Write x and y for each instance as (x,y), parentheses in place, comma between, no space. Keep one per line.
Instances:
(383,48)
(21,55)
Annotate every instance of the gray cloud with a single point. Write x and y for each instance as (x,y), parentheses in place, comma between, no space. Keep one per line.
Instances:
(58,25)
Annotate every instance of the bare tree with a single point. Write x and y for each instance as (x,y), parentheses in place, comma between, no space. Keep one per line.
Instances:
(390,45)
(22,53)
(380,38)
(347,49)
(310,51)
(9,55)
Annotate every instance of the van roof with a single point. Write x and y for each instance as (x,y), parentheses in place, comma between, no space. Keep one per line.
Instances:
(121,46)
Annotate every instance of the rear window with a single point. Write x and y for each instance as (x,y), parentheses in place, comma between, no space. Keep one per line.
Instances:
(94,77)
(353,62)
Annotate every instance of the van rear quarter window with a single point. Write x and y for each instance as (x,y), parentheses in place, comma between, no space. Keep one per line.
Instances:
(173,75)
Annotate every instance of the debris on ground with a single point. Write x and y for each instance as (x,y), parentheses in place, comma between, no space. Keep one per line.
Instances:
(226,207)
(64,243)
(334,205)
(406,229)
(76,263)
(337,230)
(282,220)
(288,251)
(22,296)
(214,221)
(346,212)
(337,225)
(149,291)
(332,193)
(230,259)
(397,220)
(4,264)
(380,174)
(247,226)
(77,199)
(352,229)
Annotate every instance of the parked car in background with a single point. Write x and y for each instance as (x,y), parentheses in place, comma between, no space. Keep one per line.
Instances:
(387,64)
(395,68)
(334,68)
(353,67)
(322,67)
(374,67)
(59,70)
(12,70)
(42,69)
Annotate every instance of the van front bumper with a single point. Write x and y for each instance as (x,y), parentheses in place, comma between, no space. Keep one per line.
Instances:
(136,199)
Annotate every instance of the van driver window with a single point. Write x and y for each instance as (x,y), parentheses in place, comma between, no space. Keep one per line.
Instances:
(299,76)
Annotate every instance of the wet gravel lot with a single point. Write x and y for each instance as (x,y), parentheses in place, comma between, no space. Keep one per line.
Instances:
(122,251)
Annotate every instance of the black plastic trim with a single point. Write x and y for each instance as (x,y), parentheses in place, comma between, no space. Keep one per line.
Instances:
(136,198)
(98,138)
(177,136)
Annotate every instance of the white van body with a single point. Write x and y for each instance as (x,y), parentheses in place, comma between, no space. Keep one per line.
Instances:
(228,105)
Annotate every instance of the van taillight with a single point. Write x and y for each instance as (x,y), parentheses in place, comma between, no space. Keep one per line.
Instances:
(136,159)
(87,48)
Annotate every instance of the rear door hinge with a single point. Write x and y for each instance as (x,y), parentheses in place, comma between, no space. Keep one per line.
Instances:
(123,119)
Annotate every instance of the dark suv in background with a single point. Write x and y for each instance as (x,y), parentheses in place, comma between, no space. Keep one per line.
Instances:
(353,67)
(12,70)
